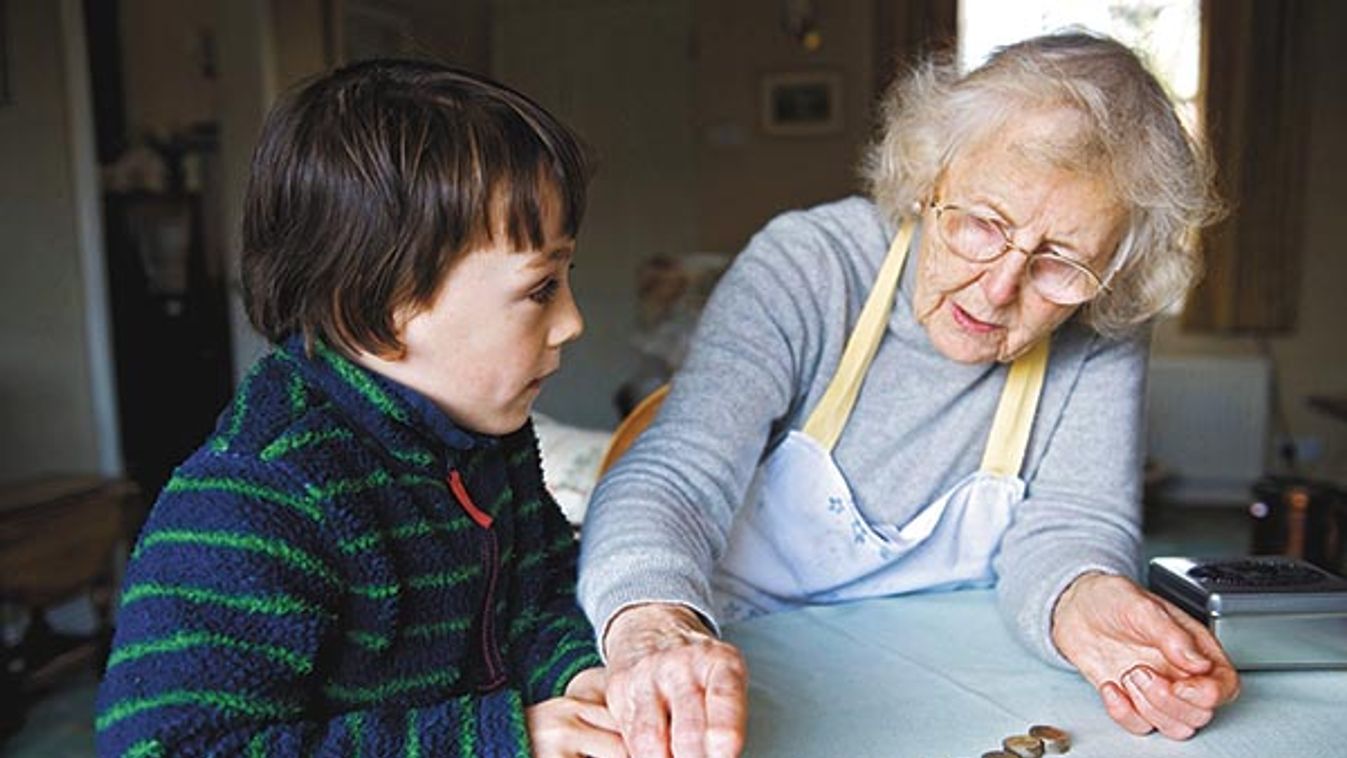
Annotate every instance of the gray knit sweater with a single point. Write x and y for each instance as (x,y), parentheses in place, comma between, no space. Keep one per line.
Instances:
(768,343)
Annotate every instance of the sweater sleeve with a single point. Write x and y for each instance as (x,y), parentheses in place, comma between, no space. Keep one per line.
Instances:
(659,520)
(1082,511)
(556,642)
(228,604)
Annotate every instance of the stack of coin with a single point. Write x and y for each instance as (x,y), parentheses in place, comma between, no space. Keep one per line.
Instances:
(1054,740)
(1041,739)
(1023,746)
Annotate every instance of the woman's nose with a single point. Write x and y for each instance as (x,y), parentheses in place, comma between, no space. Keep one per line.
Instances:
(1001,284)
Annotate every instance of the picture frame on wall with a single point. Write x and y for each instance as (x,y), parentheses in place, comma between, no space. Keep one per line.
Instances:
(801,104)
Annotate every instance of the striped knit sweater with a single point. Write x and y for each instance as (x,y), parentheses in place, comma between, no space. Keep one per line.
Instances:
(339,570)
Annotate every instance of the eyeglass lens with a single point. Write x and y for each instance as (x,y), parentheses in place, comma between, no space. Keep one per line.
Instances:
(980,239)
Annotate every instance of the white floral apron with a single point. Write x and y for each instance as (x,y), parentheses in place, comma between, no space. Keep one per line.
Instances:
(799,537)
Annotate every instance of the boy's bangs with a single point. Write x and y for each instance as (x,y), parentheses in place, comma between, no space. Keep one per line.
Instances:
(510,171)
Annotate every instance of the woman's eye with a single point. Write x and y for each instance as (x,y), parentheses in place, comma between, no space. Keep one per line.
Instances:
(545,292)
(983,228)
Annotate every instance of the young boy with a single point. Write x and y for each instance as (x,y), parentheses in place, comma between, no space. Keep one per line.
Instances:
(363,559)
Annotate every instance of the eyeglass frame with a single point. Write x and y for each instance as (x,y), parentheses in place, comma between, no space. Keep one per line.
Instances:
(1008,244)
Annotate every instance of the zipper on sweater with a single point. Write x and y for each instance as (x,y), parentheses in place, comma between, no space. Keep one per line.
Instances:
(495,669)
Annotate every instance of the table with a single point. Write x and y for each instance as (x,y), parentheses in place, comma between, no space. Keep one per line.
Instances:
(938,674)
(58,534)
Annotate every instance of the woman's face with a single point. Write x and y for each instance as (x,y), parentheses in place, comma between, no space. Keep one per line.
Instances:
(989,311)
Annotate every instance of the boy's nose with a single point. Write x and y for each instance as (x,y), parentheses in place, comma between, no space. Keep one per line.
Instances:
(569,324)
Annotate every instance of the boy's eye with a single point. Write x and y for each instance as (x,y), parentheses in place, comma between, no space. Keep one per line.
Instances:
(546,291)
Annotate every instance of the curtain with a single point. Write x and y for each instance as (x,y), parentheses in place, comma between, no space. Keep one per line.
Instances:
(1256,112)
(907,29)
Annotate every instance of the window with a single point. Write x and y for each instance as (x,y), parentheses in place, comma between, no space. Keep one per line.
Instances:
(1166,33)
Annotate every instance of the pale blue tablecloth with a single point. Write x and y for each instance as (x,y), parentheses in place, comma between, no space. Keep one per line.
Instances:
(938,675)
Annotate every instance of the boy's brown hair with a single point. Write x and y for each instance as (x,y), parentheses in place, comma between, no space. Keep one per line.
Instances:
(369,182)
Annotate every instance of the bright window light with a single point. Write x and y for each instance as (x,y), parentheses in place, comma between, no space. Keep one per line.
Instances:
(1166,33)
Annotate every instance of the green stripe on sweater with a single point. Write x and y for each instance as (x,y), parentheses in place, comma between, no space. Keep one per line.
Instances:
(271,605)
(373,480)
(568,673)
(244,705)
(361,383)
(421,480)
(441,579)
(467,727)
(438,628)
(235,486)
(442,677)
(518,458)
(368,640)
(413,736)
(257,746)
(355,726)
(526,619)
(374,591)
(405,531)
(298,394)
(274,548)
(287,443)
(145,749)
(417,457)
(519,731)
(238,411)
(559,654)
(186,640)
(532,559)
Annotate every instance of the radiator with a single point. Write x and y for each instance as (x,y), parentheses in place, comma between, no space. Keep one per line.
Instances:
(1208,420)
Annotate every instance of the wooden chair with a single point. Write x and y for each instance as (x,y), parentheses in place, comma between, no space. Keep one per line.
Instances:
(631,427)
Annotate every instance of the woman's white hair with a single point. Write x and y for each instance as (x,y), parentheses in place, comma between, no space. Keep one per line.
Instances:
(1129,135)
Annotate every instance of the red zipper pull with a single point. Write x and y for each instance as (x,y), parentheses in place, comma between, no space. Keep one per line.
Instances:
(478,515)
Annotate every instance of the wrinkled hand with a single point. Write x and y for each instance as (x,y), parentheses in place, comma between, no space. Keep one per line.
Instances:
(674,688)
(577,724)
(1153,665)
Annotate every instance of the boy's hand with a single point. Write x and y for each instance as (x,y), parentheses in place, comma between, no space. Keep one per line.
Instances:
(589,685)
(577,724)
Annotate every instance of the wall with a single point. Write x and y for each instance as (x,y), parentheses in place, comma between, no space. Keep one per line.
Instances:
(1312,360)
(167,46)
(745,176)
(458,32)
(46,412)
(269,45)
(668,94)
(618,73)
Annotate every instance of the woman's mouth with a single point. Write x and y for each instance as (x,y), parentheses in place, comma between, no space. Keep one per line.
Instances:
(966,320)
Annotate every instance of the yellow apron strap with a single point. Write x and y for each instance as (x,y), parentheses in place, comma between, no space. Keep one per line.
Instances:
(1015,413)
(825,423)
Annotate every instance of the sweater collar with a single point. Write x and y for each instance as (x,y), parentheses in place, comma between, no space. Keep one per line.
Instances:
(405,421)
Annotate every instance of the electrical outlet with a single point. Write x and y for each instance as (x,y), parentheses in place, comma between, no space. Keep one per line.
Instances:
(1301,448)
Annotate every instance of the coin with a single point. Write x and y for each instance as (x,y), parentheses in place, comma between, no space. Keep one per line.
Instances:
(998,754)
(1023,746)
(1054,740)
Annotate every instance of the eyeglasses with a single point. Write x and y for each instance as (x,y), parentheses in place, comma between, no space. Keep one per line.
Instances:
(982,238)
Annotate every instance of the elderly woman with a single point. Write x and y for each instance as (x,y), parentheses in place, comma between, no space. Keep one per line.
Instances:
(846,427)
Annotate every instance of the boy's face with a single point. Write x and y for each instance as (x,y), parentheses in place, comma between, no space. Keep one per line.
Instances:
(494,331)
